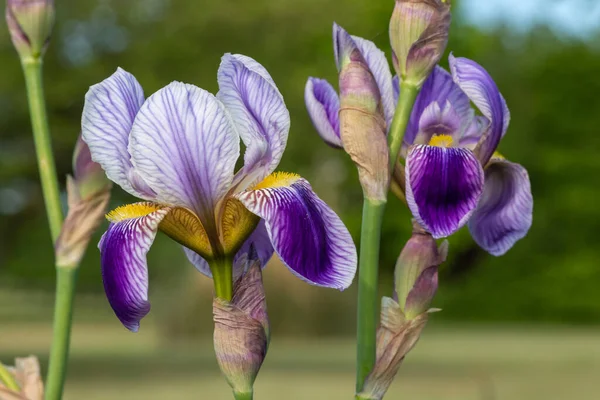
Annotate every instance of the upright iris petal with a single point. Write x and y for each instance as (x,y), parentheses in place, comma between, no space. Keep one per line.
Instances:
(306,234)
(443,186)
(323,105)
(185,147)
(504,214)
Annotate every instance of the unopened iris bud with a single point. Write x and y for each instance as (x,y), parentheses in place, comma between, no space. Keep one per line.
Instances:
(416,274)
(362,123)
(26,382)
(241,336)
(30,24)
(88,195)
(418,35)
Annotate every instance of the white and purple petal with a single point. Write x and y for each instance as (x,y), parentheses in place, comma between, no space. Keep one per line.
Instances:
(258,112)
(323,105)
(438,87)
(184,145)
(475,81)
(380,68)
(443,187)
(307,235)
(108,114)
(123,250)
(438,121)
(505,211)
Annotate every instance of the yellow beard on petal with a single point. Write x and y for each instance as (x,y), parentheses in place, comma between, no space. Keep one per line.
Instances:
(277,179)
(180,224)
(441,141)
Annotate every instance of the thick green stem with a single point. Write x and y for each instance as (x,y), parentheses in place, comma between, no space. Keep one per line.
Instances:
(8,379)
(66,279)
(408,95)
(368,300)
(222,272)
(243,396)
(41,134)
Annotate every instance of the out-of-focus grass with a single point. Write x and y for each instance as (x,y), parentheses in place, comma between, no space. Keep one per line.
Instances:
(448,364)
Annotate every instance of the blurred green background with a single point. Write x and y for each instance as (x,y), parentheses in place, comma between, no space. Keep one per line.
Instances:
(523,326)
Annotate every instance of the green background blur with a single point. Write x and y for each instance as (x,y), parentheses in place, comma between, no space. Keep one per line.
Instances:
(523,326)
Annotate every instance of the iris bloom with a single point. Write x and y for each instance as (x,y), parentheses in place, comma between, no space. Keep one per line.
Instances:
(453,174)
(177,151)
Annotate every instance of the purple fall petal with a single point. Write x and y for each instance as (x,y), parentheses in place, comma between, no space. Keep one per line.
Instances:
(123,250)
(474,80)
(443,187)
(439,87)
(185,147)
(108,114)
(504,214)
(323,105)
(306,234)
(258,112)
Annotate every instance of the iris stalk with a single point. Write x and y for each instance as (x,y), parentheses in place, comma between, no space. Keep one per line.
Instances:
(222,272)
(65,277)
(368,301)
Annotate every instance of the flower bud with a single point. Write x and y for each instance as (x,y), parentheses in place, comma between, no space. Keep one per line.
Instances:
(418,35)
(30,24)
(416,272)
(241,336)
(396,336)
(88,195)
(362,123)
(26,374)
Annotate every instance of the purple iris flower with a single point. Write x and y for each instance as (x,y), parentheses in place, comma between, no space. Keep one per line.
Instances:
(177,150)
(454,176)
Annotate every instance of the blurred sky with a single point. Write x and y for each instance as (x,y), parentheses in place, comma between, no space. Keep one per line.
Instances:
(578,18)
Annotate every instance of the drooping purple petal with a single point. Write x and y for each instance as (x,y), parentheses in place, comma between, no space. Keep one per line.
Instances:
(108,114)
(380,68)
(475,81)
(184,146)
(123,250)
(258,244)
(258,111)
(438,121)
(323,105)
(306,234)
(443,186)
(505,211)
(439,87)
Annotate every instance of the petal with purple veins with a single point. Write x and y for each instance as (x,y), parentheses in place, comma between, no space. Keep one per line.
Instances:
(475,81)
(323,105)
(443,186)
(258,111)
(307,235)
(184,145)
(438,121)
(123,250)
(108,114)
(505,211)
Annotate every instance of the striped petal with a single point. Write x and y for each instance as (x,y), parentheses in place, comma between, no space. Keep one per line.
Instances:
(505,211)
(306,234)
(475,81)
(185,147)
(108,114)
(438,121)
(323,105)
(123,250)
(443,186)
(380,68)
(259,113)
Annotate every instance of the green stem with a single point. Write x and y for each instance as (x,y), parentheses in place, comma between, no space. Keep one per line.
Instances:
(243,396)
(222,272)
(368,301)
(408,95)
(66,279)
(32,68)
(8,379)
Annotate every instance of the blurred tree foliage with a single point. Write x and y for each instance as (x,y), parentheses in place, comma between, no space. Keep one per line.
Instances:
(551,85)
